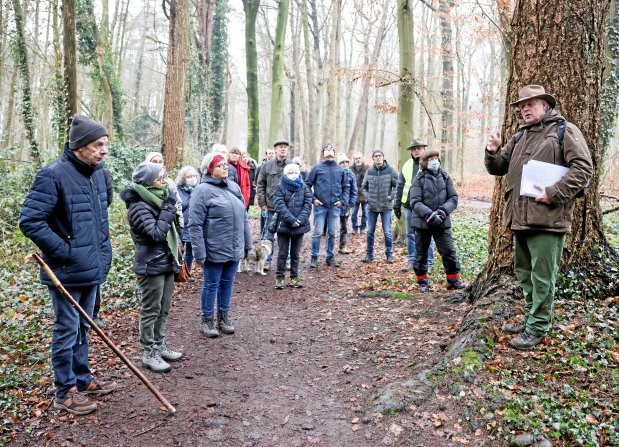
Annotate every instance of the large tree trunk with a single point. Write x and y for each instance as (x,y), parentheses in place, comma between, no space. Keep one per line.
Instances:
(447,93)
(174,105)
(70,55)
(277,75)
(251,59)
(330,114)
(311,138)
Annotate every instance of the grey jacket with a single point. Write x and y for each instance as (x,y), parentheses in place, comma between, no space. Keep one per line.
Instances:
(218,224)
(268,177)
(379,187)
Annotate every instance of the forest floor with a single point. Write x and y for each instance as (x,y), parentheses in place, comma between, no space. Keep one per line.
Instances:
(303,368)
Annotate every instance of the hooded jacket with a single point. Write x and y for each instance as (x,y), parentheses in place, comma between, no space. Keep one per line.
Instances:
(218,223)
(540,142)
(65,215)
(329,183)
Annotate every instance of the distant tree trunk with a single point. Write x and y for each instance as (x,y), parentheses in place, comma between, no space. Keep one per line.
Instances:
(312,96)
(251,58)
(361,111)
(407,70)
(578,37)
(20,53)
(174,105)
(447,92)
(206,11)
(300,99)
(7,138)
(59,122)
(330,114)
(277,75)
(69,45)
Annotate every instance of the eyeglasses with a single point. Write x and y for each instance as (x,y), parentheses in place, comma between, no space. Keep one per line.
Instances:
(222,165)
(377,156)
(160,179)
(357,158)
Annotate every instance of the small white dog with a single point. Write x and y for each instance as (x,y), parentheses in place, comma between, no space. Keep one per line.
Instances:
(259,254)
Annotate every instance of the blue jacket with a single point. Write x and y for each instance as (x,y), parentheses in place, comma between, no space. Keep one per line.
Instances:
(330,183)
(292,208)
(65,215)
(218,224)
(352,195)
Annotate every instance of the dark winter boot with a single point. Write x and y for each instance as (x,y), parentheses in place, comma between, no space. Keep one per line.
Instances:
(424,285)
(208,326)
(314,262)
(225,325)
(513,328)
(525,341)
(454,283)
(331,261)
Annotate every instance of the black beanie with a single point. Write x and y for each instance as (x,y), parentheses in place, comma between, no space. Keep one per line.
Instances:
(83,131)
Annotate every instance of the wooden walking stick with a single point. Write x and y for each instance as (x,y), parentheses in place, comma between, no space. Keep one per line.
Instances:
(101,334)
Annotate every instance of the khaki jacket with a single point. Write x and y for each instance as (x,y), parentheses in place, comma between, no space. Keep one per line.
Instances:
(540,142)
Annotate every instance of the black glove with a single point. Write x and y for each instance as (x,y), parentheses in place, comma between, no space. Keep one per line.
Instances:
(434,219)
(296,224)
(397,211)
(169,202)
(443,215)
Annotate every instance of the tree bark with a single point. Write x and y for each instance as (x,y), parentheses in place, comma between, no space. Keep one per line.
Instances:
(407,70)
(330,114)
(447,92)
(251,8)
(69,45)
(174,105)
(277,75)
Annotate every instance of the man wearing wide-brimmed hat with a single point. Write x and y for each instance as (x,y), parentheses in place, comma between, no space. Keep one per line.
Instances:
(405,181)
(539,223)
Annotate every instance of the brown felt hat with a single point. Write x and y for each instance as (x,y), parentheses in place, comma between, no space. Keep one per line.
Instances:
(534,91)
(417,142)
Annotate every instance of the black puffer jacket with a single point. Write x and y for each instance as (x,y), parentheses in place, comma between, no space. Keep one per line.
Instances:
(429,193)
(149,227)
(291,208)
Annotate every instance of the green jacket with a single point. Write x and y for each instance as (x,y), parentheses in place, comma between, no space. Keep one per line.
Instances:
(540,142)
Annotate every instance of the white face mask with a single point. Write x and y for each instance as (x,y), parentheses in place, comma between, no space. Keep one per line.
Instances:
(292,176)
(193,181)
(433,165)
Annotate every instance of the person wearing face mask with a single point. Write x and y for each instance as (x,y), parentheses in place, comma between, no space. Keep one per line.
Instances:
(151,212)
(433,198)
(293,204)
(186,181)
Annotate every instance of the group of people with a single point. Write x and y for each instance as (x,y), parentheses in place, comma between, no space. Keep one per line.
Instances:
(203,218)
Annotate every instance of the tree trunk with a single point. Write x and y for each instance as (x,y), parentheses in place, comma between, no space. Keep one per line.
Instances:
(361,111)
(330,114)
(277,75)
(312,135)
(21,62)
(407,70)
(69,44)
(447,92)
(251,59)
(174,105)
(7,134)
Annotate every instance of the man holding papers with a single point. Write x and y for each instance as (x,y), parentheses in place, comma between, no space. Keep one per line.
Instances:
(546,166)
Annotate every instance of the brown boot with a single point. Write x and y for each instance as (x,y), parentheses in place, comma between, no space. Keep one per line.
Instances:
(75,402)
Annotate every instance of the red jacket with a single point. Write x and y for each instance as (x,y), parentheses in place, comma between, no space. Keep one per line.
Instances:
(242,172)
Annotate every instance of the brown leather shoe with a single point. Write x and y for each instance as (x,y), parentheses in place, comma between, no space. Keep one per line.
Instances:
(98,388)
(75,402)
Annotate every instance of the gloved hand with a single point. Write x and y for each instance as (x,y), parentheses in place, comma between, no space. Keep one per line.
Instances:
(441,212)
(434,219)
(296,224)
(200,261)
(347,211)
(169,202)
(397,210)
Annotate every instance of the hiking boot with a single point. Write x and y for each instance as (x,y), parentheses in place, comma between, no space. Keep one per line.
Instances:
(267,266)
(75,402)
(455,284)
(408,268)
(296,283)
(208,326)
(225,325)
(279,283)
(424,286)
(98,388)
(314,262)
(332,262)
(345,251)
(169,355)
(368,258)
(390,259)
(153,361)
(513,328)
(525,341)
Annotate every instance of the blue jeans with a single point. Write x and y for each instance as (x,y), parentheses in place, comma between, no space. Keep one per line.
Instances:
(410,241)
(69,338)
(217,285)
(329,216)
(385,218)
(356,225)
(188,254)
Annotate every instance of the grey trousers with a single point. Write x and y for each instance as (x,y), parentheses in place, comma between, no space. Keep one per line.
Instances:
(156,300)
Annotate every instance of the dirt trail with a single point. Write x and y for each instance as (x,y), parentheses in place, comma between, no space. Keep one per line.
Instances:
(301,369)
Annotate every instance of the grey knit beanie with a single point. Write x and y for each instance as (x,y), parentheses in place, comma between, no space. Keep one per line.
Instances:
(83,131)
(146,173)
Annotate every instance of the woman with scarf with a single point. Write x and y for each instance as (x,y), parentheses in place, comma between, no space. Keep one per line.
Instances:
(186,180)
(220,237)
(293,204)
(151,212)
(242,173)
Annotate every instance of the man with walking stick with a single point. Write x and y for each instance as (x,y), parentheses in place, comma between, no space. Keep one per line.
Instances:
(65,215)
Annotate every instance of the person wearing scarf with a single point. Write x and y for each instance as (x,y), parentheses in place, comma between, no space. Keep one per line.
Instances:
(293,204)
(186,181)
(151,212)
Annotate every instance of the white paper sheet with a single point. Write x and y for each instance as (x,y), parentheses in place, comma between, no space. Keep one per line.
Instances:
(539,173)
